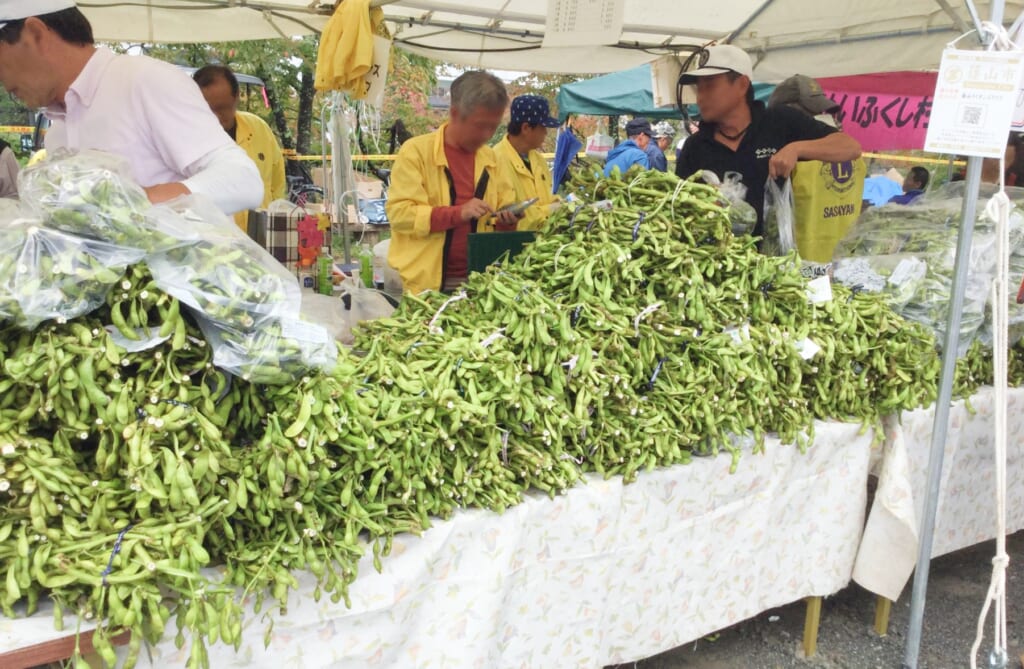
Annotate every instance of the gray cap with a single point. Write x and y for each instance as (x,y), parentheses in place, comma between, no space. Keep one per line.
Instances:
(804,93)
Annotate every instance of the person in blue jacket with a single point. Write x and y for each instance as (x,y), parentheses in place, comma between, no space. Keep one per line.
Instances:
(633,150)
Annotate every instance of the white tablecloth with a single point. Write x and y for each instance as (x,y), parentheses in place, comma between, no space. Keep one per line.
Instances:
(966,510)
(604,574)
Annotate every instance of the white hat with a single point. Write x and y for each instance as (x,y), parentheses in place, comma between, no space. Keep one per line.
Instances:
(663,129)
(719,59)
(15,10)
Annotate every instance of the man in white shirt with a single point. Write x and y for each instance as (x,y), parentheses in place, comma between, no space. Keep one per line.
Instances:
(149,112)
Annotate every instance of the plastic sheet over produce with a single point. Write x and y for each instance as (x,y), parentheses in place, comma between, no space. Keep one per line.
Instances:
(908,252)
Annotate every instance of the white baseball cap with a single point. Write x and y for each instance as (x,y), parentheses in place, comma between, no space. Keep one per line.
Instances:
(15,10)
(719,59)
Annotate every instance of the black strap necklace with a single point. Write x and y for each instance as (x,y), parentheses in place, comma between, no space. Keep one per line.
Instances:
(733,138)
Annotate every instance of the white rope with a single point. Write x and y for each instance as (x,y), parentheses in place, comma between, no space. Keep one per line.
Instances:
(436,329)
(998,209)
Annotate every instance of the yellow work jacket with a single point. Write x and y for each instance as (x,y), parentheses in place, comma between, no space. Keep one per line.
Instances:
(527,184)
(419,182)
(257,139)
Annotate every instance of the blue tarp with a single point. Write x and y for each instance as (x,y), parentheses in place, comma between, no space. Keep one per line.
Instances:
(625,92)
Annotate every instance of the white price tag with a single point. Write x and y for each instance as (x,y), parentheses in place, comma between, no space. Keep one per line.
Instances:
(908,269)
(807,348)
(819,290)
(739,334)
(975,96)
(301,331)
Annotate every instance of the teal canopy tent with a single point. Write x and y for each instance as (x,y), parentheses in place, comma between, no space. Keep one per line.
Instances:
(625,92)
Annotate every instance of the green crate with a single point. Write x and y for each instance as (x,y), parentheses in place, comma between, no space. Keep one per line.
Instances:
(486,247)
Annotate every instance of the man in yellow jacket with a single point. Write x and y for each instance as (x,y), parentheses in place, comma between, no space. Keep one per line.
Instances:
(446,185)
(220,88)
(522,163)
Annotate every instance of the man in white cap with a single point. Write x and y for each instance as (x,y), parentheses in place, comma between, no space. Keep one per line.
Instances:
(149,112)
(737,133)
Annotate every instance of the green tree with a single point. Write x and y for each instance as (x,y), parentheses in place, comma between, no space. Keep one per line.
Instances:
(411,80)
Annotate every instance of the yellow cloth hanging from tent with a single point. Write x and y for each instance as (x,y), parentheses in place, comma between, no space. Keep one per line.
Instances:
(346,48)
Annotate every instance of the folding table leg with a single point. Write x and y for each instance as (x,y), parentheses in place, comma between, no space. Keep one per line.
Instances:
(811,622)
(883,607)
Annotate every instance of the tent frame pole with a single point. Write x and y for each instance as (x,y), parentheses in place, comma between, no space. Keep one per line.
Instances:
(949,355)
(941,423)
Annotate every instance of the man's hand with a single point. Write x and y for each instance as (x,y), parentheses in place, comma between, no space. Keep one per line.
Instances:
(475,208)
(164,192)
(506,221)
(782,164)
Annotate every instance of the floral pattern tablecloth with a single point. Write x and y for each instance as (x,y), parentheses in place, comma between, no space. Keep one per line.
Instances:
(966,511)
(604,574)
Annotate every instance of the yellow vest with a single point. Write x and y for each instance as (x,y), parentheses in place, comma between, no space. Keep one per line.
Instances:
(527,183)
(259,142)
(418,184)
(827,199)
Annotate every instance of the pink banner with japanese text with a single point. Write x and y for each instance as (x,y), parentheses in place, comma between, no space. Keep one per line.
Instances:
(884,112)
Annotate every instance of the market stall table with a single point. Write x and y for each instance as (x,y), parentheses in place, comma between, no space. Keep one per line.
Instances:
(966,511)
(607,573)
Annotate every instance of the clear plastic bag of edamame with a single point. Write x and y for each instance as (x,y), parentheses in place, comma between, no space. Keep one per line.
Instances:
(52,275)
(89,193)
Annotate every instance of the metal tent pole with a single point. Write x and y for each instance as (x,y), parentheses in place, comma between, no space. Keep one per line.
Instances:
(949,355)
(941,424)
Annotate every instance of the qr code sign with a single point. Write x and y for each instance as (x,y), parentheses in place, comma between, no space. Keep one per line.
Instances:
(971,114)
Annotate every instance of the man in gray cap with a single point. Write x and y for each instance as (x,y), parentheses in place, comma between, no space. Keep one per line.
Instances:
(737,133)
(804,94)
(149,112)
(663,134)
(633,151)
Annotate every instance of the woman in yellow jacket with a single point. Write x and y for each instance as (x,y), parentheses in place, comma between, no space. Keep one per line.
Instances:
(445,185)
(521,162)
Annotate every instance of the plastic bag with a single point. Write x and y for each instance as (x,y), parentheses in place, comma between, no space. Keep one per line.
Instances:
(330,313)
(50,274)
(89,193)
(223,275)
(908,253)
(385,277)
(742,214)
(276,353)
(779,231)
(364,304)
(598,145)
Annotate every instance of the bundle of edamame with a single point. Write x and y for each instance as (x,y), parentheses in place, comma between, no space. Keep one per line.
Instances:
(633,334)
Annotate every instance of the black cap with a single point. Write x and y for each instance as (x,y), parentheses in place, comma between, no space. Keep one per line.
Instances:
(639,126)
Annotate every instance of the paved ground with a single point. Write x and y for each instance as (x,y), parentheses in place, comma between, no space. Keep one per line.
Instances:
(957,587)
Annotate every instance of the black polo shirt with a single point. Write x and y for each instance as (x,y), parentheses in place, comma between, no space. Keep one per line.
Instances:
(770,130)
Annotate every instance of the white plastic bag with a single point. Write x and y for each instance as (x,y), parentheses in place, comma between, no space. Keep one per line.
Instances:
(779,230)
(385,277)
(598,145)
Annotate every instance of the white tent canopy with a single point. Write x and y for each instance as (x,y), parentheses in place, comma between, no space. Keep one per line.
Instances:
(189,21)
(784,36)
